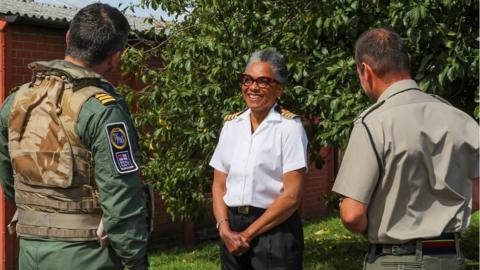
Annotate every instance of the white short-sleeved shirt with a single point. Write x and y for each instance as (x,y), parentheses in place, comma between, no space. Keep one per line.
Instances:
(255,163)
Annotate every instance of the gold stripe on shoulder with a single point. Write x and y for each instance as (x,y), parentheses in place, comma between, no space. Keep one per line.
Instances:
(108,102)
(101,95)
(287,114)
(232,116)
(105,99)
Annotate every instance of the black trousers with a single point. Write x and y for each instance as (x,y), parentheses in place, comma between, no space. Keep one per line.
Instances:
(278,249)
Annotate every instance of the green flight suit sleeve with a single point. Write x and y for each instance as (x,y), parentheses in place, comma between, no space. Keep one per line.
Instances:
(6,171)
(120,194)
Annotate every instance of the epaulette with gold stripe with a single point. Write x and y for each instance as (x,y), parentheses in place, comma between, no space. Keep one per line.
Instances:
(232,116)
(105,99)
(286,113)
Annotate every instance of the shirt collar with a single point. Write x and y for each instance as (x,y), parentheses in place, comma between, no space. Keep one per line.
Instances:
(397,87)
(272,115)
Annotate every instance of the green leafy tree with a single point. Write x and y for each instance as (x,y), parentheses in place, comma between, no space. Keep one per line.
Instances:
(180,110)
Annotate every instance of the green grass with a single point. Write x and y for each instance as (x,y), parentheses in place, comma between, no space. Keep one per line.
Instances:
(205,257)
(327,246)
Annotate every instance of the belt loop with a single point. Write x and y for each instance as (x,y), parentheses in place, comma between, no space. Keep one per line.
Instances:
(457,248)
(13,224)
(419,250)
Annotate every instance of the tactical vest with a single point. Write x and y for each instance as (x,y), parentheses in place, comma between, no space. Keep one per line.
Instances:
(54,182)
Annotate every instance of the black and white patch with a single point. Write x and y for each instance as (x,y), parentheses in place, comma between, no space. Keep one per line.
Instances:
(120,147)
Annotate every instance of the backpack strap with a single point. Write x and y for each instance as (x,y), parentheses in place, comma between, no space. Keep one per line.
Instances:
(72,102)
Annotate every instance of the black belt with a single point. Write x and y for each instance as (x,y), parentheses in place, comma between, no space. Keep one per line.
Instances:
(444,244)
(247,210)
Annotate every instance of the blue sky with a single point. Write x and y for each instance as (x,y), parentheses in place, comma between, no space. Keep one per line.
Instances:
(114,3)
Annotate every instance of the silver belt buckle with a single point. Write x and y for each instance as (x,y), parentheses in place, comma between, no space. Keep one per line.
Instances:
(396,250)
(244,210)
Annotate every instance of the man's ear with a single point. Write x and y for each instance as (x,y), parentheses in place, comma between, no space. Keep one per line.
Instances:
(368,74)
(114,59)
(67,38)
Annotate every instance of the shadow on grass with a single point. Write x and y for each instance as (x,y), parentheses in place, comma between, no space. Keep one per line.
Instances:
(328,246)
(334,254)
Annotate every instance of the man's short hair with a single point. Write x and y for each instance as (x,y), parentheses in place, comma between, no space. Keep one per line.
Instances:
(383,50)
(96,32)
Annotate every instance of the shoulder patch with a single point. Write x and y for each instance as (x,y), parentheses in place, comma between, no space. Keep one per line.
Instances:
(286,113)
(120,147)
(105,99)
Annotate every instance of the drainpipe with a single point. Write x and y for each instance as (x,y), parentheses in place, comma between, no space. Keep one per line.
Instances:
(3,222)
(3,25)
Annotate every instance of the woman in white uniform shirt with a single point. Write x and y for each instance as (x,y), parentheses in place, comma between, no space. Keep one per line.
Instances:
(260,163)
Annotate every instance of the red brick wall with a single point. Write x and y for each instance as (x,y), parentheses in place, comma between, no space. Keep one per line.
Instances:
(318,183)
(27,44)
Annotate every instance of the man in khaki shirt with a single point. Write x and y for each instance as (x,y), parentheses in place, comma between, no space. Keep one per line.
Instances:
(409,168)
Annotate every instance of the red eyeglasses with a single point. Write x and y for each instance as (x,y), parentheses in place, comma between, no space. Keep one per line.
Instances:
(262,82)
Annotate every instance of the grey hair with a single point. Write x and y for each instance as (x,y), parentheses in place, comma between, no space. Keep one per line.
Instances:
(275,60)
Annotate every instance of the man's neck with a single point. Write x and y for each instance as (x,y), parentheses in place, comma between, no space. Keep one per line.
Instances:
(97,69)
(383,84)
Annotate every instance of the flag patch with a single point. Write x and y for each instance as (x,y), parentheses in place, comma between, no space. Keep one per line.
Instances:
(120,147)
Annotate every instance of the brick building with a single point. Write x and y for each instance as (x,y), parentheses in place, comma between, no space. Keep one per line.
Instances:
(32,31)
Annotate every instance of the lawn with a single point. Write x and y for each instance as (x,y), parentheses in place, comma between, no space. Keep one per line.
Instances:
(327,246)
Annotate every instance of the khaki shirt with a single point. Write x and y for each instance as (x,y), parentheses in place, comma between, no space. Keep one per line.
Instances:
(418,183)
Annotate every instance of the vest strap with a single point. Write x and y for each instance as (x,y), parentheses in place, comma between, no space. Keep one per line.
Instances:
(71,106)
(32,200)
(55,233)
(59,220)
(85,191)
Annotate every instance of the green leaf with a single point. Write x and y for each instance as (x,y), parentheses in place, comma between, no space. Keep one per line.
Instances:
(319,22)
(193,84)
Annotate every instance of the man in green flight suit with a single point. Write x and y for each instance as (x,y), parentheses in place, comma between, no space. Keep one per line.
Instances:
(69,156)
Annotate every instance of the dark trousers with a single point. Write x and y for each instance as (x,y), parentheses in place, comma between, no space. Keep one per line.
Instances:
(279,248)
